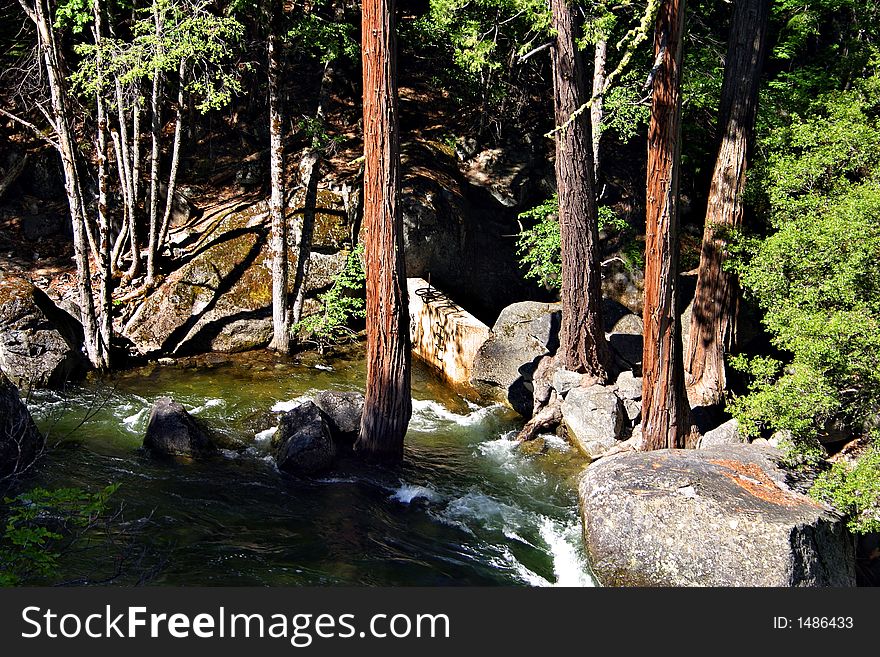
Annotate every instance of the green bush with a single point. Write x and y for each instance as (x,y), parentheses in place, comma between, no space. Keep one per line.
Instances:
(40,525)
(342,303)
(854,490)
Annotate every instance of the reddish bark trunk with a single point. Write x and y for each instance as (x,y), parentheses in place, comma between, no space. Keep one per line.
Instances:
(388,405)
(713,322)
(665,412)
(582,340)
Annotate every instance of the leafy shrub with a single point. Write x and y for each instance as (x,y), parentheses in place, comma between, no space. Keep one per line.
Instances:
(40,525)
(539,247)
(342,303)
(854,490)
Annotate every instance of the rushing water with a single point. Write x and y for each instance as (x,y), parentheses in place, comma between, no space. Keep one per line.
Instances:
(464,508)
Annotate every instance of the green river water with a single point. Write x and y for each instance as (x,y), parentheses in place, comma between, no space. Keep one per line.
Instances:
(465,507)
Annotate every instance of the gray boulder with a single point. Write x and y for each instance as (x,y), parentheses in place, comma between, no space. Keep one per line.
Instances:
(40,344)
(302,444)
(20,441)
(725,434)
(594,418)
(721,516)
(504,365)
(343,412)
(172,431)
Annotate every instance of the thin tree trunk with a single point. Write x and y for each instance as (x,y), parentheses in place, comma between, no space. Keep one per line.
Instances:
(309,167)
(105,261)
(39,14)
(277,203)
(175,161)
(156,127)
(388,403)
(582,338)
(713,321)
(665,412)
(124,189)
(597,109)
(136,112)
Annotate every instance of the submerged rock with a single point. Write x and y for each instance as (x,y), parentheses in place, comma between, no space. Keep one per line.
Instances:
(722,516)
(40,344)
(503,368)
(302,444)
(20,440)
(343,412)
(594,418)
(172,431)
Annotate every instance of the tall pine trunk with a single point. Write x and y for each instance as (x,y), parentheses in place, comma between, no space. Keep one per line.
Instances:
(175,159)
(582,338)
(136,112)
(713,322)
(665,412)
(39,13)
(277,205)
(156,127)
(388,404)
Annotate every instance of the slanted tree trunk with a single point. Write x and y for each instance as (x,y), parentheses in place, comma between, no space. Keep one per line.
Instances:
(277,203)
(105,296)
(175,160)
(665,412)
(597,109)
(309,174)
(582,338)
(388,403)
(40,15)
(156,127)
(713,321)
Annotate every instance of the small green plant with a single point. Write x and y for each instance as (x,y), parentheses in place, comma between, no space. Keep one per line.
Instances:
(40,525)
(854,490)
(539,247)
(342,303)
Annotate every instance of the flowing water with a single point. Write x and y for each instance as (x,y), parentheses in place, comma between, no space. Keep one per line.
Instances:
(465,507)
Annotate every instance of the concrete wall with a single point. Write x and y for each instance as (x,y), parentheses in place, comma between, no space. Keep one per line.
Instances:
(443,333)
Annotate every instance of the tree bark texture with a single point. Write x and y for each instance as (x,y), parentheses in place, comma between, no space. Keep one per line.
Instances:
(156,127)
(388,403)
(665,412)
(277,206)
(175,159)
(713,322)
(105,325)
(582,338)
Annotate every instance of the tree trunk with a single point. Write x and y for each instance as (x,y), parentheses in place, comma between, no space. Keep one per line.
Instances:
(105,326)
(388,403)
(135,268)
(175,161)
(309,174)
(42,20)
(156,127)
(665,412)
(597,109)
(713,321)
(277,202)
(582,337)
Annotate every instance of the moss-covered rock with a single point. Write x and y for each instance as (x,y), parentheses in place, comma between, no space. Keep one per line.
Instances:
(220,299)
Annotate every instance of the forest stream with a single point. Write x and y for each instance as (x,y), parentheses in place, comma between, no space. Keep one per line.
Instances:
(465,507)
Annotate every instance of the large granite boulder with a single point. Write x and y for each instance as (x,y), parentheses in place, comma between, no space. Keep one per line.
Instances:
(20,441)
(594,418)
(172,431)
(40,344)
(724,434)
(303,444)
(342,412)
(722,516)
(220,299)
(523,333)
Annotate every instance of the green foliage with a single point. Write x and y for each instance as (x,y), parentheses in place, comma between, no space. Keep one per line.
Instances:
(341,304)
(325,39)
(40,525)
(539,247)
(854,490)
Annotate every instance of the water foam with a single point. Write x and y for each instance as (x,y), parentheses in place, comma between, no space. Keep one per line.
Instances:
(406,493)
(429,415)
